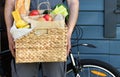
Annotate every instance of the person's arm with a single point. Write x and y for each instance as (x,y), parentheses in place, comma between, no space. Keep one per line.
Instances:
(73,6)
(9,7)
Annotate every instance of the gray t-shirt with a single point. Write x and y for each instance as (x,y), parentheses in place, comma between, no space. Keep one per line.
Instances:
(35,3)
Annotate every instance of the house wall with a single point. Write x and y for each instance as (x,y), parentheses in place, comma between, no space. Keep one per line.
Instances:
(91,20)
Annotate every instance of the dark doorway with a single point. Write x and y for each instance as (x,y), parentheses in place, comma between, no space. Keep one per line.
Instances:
(5,69)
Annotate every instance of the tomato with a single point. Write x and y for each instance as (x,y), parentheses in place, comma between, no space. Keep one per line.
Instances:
(34,12)
(47,17)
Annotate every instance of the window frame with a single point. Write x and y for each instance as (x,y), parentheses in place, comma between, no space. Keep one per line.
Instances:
(110,20)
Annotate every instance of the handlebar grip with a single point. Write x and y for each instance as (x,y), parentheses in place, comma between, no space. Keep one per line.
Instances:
(4,52)
(85,44)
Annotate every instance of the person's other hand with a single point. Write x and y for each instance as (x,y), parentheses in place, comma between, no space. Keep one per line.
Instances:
(68,43)
(11,45)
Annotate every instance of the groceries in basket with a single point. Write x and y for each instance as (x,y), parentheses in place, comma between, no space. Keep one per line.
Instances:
(40,35)
(58,13)
(25,23)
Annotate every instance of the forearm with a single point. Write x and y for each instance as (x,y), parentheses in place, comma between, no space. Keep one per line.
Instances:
(74,8)
(9,7)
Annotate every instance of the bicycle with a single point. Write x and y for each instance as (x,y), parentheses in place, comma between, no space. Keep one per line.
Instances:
(86,67)
(89,67)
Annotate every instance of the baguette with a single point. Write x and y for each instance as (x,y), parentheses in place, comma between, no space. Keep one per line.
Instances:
(27,5)
(22,6)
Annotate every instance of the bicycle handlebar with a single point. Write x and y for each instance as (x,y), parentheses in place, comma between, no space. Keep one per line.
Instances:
(1,30)
(4,52)
(85,44)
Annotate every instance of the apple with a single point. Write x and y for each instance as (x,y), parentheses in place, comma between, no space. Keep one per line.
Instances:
(34,13)
(47,17)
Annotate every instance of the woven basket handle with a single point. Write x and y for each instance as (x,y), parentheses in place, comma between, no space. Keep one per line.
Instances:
(44,3)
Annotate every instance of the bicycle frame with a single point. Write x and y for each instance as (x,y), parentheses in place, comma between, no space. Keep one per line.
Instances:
(76,69)
(75,64)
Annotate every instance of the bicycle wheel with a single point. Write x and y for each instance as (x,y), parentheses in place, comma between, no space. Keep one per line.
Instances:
(93,68)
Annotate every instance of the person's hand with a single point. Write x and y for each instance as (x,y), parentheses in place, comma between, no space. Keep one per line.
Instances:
(68,43)
(11,45)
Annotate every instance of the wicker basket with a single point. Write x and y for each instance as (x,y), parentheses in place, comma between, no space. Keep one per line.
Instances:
(45,43)
(42,45)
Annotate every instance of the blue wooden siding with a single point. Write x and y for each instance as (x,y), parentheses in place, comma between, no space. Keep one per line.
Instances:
(91,20)
(92,5)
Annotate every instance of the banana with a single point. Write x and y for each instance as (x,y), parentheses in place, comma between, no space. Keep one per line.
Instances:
(16,15)
(22,24)
(19,22)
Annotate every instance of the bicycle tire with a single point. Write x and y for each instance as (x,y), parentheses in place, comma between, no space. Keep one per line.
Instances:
(104,67)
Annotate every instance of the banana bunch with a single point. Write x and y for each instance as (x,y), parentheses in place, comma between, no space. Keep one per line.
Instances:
(18,20)
(22,24)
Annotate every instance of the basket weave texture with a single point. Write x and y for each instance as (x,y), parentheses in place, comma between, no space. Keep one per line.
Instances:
(50,46)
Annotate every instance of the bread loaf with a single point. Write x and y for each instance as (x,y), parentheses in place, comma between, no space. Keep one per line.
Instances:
(22,6)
